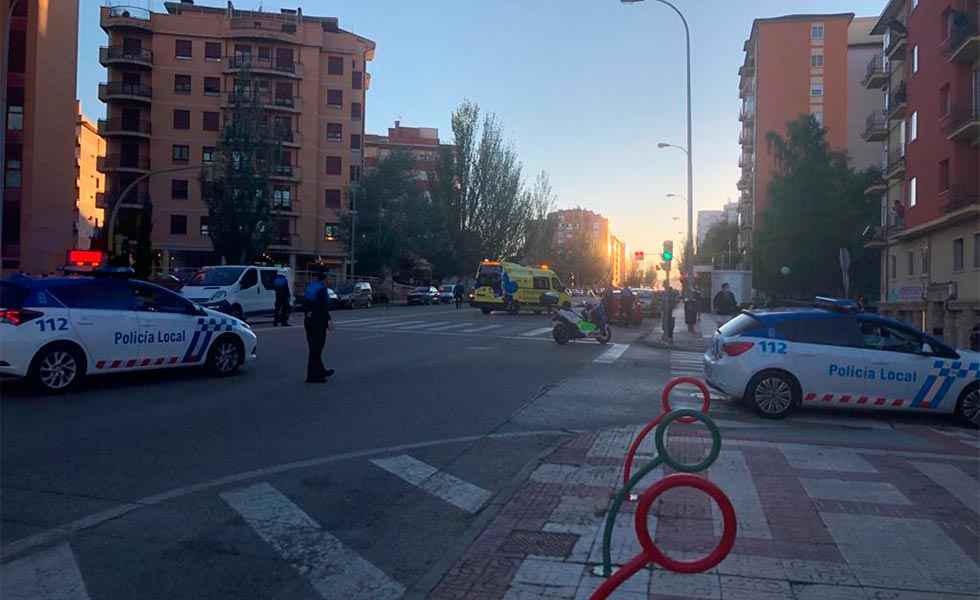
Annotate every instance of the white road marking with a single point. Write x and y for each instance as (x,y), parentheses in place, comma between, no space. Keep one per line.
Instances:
(479,329)
(686,363)
(878,492)
(51,574)
(391,324)
(453,490)
(732,474)
(369,337)
(960,485)
(826,459)
(612,354)
(425,325)
(364,321)
(536,332)
(333,569)
(453,326)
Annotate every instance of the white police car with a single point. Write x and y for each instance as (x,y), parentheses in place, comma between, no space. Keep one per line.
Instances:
(55,330)
(830,355)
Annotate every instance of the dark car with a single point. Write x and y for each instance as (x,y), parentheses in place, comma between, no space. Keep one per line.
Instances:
(423,295)
(167,280)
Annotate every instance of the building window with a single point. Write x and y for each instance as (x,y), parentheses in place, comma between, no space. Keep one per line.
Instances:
(944,105)
(181,153)
(335,132)
(816,31)
(355,173)
(204,226)
(265,53)
(182,49)
(915,59)
(15,118)
(210,121)
(182,119)
(901,138)
(976,250)
(13,177)
(179,189)
(913,192)
(355,111)
(207,154)
(335,65)
(212,86)
(357,79)
(178,224)
(914,126)
(925,260)
(816,59)
(818,117)
(911,262)
(212,50)
(914,4)
(944,175)
(331,199)
(330,231)
(355,141)
(182,84)
(335,98)
(282,197)
(816,89)
(892,266)
(958,254)
(334,165)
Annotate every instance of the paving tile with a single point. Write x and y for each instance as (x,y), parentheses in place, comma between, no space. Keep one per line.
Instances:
(826,459)
(819,571)
(747,565)
(806,591)
(537,571)
(879,492)
(754,588)
(523,591)
(693,585)
(731,473)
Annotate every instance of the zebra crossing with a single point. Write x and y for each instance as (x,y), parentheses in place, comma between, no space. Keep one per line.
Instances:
(329,565)
(686,363)
(518,329)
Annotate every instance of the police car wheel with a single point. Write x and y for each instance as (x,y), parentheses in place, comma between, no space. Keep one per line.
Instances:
(774,395)
(225,356)
(968,407)
(57,368)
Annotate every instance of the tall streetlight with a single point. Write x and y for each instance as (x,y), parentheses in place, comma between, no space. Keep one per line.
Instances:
(690,176)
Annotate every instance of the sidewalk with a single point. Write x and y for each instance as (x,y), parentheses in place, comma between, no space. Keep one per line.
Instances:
(694,341)
(815,522)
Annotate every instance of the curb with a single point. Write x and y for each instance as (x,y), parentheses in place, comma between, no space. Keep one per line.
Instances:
(692,347)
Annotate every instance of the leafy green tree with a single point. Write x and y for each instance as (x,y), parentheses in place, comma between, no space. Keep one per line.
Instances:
(720,245)
(236,188)
(816,207)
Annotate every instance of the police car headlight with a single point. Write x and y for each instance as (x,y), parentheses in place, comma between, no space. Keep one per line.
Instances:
(218,296)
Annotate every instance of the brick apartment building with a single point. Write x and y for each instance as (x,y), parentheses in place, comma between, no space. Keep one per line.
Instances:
(618,267)
(38,174)
(421,142)
(928,77)
(89,182)
(796,65)
(172,77)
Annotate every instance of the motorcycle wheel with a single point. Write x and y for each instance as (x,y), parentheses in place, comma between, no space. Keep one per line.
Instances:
(560,333)
(604,337)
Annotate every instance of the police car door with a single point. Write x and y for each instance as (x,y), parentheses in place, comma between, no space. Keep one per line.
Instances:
(822,356)
(101,314)
(905,373)
(166,324)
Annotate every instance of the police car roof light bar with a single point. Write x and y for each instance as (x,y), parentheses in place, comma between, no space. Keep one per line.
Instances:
(835,304)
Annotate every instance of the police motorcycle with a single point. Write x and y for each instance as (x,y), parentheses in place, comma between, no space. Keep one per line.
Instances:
(590,323)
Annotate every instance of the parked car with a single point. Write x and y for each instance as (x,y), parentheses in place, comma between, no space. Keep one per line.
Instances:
(446,292)
(166,280)
(423,295)
(648,301)
(356,294)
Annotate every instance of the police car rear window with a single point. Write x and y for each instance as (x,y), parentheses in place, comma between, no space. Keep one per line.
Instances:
(105,294)
(739,325)
(828,331)
(11,295)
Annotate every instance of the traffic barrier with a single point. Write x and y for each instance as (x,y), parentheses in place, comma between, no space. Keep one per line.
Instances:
(652,554)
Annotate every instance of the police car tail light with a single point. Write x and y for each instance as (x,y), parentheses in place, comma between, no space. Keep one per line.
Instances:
(16,316)
(736,348)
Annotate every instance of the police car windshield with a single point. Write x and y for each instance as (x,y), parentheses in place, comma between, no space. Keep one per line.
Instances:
(217,276)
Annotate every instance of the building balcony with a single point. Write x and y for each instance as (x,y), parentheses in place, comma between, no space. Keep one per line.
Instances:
(963,45)
(263,66)
(746,139)
(962,124)
(897,103)
(292,104)
(119,90)
(286,173)
(878,186)
(747,113)
(122,127)
(745,86)
(140,195)
(289,138)
(264,26)
(125,17)
(875,127)
(747,70)
(745,181)
(745,160)
(123,163)
(120,55)
(877,72)
(957,198)
(897,41)
(895,168)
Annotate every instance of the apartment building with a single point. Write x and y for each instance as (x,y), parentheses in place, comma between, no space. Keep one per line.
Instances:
(618,269)
(172,78)
(928,78)
(39,127)
(578,224)
(421,142)
(89,182)
(796,65)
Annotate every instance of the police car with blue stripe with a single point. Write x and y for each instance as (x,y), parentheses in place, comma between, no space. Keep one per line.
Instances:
(55,330)
(832,355)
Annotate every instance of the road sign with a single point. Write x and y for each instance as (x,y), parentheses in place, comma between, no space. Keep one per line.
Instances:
(638,256)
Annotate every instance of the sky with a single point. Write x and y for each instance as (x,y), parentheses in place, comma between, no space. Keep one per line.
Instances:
(585,88)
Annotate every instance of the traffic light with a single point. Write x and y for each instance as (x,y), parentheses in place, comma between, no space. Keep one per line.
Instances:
(668,252)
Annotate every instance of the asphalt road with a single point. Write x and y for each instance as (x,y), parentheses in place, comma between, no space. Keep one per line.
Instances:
(142,483)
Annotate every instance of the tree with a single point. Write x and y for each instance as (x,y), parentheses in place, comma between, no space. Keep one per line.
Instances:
(719,246)
(236,188)
(816,207)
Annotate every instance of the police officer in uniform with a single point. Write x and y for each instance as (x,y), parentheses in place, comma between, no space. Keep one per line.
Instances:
(316,323)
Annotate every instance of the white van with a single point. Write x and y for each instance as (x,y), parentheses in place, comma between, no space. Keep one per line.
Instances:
(239,290)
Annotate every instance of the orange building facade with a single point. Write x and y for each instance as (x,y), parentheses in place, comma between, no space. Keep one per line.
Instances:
(171,82)
(89,182)
(39,143)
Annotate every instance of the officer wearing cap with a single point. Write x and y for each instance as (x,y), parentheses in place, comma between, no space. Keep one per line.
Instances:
(316,323)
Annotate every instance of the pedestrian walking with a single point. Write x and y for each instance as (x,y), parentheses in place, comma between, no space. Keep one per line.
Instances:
(280,315)
(458,295)
(725,303)
(316,323)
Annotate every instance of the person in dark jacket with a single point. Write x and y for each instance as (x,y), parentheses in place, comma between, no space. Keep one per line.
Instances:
(725,303)
(458,295)
(316,323)
(280,314)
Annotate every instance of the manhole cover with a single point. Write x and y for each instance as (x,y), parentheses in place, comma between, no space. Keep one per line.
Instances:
(539,542)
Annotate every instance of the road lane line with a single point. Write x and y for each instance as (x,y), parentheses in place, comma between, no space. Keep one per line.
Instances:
(960,485)
(479,329)
(390,324)
(363,321)
(333,569)
(461,494)
(612,354)
(51,574)
(536,332)
(423,325)
(453,326)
